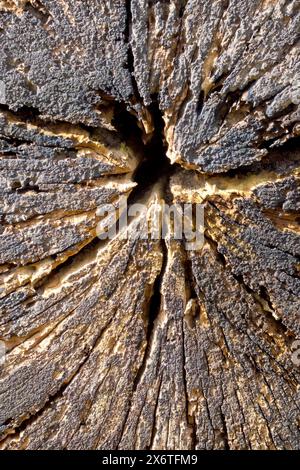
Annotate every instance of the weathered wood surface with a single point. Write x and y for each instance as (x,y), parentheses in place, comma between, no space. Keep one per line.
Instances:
(142,344)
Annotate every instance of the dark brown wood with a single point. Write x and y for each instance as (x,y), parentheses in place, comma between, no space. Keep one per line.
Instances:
(135,343)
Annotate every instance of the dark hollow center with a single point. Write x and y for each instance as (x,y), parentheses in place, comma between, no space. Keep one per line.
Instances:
(154,165)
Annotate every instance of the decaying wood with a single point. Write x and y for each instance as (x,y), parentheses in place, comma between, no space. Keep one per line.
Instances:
(133,343)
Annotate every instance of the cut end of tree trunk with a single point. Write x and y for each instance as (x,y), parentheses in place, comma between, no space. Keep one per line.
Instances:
(130,341)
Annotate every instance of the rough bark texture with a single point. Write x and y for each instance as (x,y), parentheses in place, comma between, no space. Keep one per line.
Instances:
(142,344)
